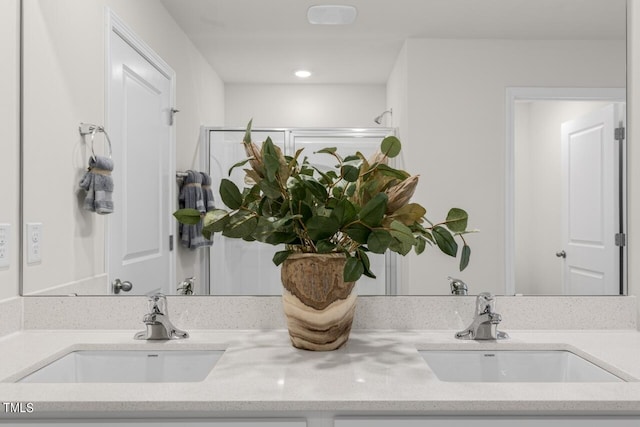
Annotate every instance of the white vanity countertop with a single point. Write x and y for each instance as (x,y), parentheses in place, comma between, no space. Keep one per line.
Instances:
(376,372)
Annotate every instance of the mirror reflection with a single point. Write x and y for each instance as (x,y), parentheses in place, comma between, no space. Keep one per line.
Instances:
(158,75)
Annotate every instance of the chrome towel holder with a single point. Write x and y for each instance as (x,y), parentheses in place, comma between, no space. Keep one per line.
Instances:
(91,129)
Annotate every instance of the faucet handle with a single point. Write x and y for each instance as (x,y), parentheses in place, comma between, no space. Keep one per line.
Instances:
(485,303)
(157,302)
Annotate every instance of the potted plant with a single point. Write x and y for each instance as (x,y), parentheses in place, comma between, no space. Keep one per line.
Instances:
(328,222)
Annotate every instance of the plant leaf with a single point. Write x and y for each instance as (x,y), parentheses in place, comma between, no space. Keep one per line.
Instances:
(429,237)
(230,194)
(187,216)
(350,173)
(247,133)
(402,233)
(270,159)
(390,146)
(400,247)
(358,232)
(321,227)
(379,241)
(353,269)
(409,214)
(464,258)
(344,212)
(252,176)
(350,190)
(318,190)
(328,150)
(445,241)
(241,224)
(270,189)
(421,245)
(324,178)
(325,246)
(280,256)
(373,211)
(457,220)
(240,163)
(215,220)
(279,237)
(389,171)
(365,263)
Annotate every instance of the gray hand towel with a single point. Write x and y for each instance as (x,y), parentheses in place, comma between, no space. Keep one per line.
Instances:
(98,184)
(207,193)
(191,197)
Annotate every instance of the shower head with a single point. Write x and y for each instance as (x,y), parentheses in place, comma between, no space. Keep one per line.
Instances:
(378,119)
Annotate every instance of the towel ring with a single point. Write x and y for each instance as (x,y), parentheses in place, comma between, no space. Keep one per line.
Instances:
(106,136)
(88,128)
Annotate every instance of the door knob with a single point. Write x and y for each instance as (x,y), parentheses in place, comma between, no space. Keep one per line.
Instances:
(561,254)
(119,285)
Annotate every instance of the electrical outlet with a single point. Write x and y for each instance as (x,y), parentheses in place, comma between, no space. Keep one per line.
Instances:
(5,233)
(34,243)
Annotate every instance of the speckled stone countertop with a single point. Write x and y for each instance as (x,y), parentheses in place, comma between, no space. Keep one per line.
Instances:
(376,372)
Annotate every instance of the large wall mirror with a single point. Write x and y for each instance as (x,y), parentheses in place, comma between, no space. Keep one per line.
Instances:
(510,109)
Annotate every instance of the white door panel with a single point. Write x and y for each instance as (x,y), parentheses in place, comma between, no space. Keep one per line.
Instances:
(140,98)
(591,204)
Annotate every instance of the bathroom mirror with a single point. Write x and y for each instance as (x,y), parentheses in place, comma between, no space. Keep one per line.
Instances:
(448,69)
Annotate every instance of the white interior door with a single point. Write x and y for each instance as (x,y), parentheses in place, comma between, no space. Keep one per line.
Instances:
(591,205)
(139,108)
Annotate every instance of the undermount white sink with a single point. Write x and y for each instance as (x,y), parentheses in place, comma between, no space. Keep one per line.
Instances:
(514,366)
(127,366)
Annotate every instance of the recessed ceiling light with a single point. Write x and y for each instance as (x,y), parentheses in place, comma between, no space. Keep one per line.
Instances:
(303,74)
(332,14)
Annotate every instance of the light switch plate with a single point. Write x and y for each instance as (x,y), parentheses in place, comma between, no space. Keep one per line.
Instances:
(5,234)
(34,243)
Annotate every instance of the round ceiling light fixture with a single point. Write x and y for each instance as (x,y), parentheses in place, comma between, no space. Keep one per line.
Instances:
(303,74)
(332,14)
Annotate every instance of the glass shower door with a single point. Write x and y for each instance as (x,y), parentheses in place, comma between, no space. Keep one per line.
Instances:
(237,267)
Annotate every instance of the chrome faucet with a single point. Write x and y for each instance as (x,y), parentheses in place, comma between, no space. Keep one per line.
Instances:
(458,287)
(159,327)
(186,286)
(485,324)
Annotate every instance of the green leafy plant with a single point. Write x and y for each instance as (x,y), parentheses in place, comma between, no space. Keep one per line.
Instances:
(361,206)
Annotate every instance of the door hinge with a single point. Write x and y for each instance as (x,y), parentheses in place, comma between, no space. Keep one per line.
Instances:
(172,113)
(621,239)
(619,134)
(171,242)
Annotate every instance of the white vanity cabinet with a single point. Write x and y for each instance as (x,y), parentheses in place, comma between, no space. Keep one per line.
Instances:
(276,422)
(594,421)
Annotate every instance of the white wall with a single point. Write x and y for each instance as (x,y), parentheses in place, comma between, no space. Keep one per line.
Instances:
(398,92)
(303,105)
(538,195)
(64,85)
(9,143)
(456,135)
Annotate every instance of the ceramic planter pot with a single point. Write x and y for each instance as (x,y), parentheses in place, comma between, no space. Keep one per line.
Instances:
(318,304)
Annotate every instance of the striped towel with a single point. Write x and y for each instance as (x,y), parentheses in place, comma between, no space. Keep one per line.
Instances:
(98,184)
(191,196)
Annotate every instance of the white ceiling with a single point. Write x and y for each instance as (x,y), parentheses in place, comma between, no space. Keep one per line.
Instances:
(265,41)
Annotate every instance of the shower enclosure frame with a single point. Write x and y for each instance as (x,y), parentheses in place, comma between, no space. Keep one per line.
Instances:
(392,270)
